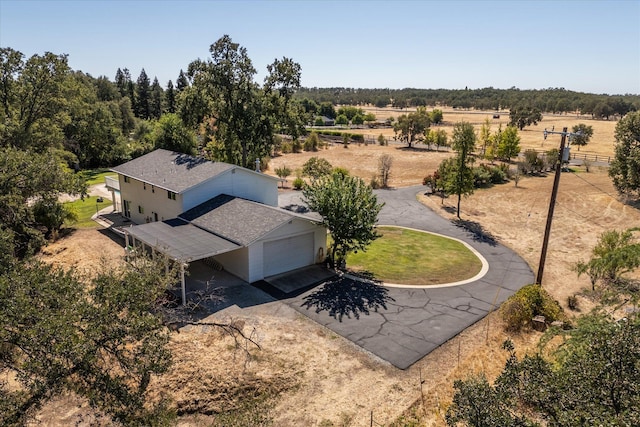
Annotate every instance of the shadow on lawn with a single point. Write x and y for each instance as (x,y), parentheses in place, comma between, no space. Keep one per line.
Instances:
(344,296)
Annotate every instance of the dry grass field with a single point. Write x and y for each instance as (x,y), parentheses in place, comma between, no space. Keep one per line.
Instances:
(321,379)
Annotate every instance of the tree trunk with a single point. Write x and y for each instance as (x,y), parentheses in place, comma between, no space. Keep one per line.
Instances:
(459,197)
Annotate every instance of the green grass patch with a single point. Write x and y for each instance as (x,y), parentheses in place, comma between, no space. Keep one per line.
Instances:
(415,258)
(96,176)
(85,209)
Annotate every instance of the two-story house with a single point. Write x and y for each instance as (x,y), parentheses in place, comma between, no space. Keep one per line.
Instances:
(193,209)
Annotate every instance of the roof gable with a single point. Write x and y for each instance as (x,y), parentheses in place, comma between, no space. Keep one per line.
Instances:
(239,220)
(171,170)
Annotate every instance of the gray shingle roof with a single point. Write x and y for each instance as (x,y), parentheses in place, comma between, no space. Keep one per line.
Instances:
(239,220)
(172,171)
(181,240)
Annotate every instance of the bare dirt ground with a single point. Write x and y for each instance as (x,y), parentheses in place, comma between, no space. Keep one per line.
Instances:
(320,378)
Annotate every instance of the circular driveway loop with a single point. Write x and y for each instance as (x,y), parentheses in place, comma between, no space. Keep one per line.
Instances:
(410,323)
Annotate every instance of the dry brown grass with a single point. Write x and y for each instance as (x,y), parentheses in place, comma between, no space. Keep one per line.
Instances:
(332,380)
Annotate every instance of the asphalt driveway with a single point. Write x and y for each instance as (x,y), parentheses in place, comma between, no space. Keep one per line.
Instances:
(403,325)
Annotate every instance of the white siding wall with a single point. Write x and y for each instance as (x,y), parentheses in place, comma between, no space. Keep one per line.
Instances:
(236,262)
(152,201)
(295,228)
(236,182)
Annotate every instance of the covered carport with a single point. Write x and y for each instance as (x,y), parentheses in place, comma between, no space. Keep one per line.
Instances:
(180,241)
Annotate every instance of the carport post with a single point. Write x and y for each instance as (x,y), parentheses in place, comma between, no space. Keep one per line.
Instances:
(126,245)
(184,287)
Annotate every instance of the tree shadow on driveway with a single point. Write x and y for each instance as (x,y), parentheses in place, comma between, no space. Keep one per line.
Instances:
(346,296)
(478,233)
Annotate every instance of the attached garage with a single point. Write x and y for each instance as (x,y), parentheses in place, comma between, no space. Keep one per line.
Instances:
(288,254)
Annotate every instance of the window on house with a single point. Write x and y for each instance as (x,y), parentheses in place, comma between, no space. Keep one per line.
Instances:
(171,195)
(155,216)
(144,185)
(127,208)
(153,188)
(127,179)
(140,209)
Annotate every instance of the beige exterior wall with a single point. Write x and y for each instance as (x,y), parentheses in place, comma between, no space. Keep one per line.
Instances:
(145,200)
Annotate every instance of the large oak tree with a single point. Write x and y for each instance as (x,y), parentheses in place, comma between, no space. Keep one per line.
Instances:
(625,167)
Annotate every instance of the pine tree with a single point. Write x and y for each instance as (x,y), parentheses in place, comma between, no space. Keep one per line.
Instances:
(182,83)
(142,102)
(170,98)
(157,98)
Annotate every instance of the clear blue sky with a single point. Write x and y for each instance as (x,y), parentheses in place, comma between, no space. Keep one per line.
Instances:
(588,46)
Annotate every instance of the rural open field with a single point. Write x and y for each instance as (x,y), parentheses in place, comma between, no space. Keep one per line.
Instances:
(321,379)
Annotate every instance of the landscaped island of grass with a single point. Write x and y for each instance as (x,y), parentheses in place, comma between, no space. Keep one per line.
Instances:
(413,257)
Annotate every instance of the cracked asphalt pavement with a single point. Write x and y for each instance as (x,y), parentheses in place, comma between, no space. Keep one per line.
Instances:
(402,325)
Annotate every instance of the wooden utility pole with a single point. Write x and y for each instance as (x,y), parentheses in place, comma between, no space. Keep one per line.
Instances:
(552,203)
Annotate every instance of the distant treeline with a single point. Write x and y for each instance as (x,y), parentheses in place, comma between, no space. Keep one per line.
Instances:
(552,100)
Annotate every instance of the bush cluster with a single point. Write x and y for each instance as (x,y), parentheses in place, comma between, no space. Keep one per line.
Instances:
(298,183)
(530,301)
(485,175)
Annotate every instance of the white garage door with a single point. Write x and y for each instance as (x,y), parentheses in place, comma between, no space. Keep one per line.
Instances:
(287,254)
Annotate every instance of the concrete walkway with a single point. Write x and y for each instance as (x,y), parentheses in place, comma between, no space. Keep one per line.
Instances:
(403,325)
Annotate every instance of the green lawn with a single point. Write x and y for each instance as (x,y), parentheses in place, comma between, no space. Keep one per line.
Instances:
(415,258)
(96,176)
(85,209)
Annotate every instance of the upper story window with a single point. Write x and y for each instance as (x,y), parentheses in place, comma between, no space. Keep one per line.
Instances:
(127,179)
(153,188)
(171,195)
(144,185)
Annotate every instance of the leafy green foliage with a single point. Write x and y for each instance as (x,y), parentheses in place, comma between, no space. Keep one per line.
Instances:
(456,172)
(245,116)
(625,167)
(312,142)
(436,116)
(369,118)
(437,137)
(101,341)
(409,126)
(327,109)
(529,301)
(342,120)
(30,183)
(298,183)
(592,378)
(171,134)
(585,134)
(349,210)
(283,172)
(316,167)
(32,99)
(616,253)
(476,403)
(524,116)
(532,163)
(350,112)
(509,143)
(142,100)
(52,215)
